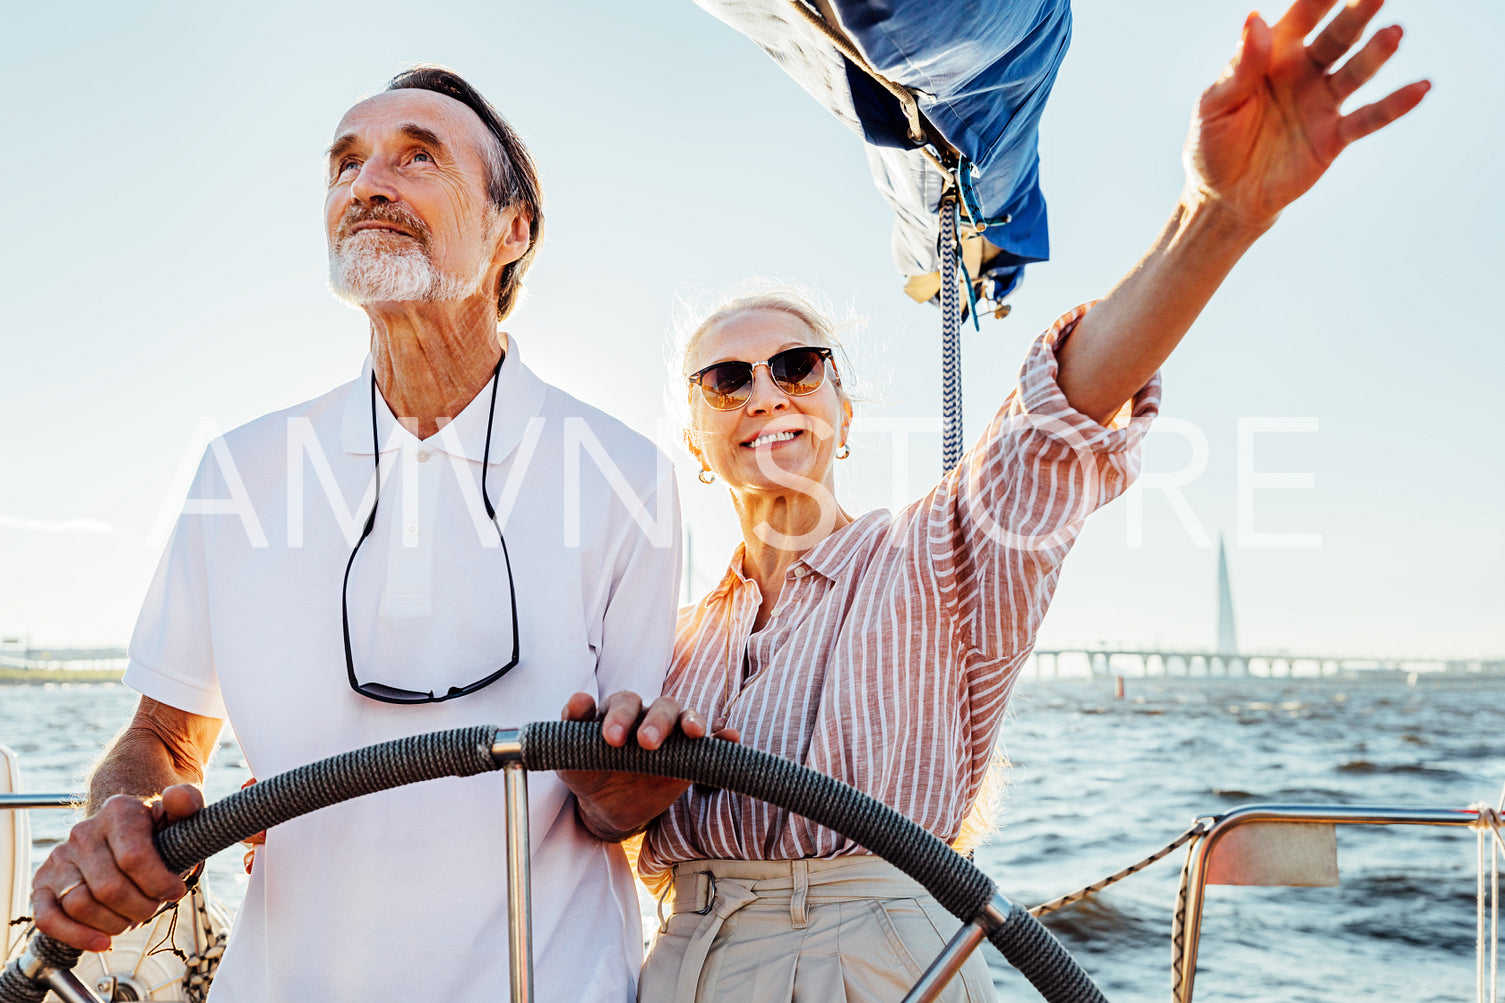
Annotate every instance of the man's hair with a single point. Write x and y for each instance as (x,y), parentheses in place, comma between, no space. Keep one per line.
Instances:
(512,180)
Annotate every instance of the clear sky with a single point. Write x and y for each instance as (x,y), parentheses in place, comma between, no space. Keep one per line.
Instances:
(164,270)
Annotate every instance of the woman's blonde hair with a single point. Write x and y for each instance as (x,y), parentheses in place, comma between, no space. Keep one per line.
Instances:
(806,306)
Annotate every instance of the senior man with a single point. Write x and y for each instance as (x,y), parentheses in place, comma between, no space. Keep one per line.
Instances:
(445,541)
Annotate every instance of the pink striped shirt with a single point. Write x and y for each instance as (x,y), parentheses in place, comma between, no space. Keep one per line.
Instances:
(895,643)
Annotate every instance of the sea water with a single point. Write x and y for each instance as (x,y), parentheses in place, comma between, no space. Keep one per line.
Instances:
(1098,782)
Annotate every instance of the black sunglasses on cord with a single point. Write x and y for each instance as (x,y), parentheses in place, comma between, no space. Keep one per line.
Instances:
(396,694)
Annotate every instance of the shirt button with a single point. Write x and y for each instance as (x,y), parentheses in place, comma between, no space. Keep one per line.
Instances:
(411,529)
(423,457)
(800,571)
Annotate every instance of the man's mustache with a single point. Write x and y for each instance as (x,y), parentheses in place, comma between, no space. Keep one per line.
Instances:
(391,212)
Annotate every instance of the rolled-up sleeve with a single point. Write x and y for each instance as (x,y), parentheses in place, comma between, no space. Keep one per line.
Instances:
(1002,522)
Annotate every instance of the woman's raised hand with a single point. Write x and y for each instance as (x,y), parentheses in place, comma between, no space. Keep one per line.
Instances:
(1273,123)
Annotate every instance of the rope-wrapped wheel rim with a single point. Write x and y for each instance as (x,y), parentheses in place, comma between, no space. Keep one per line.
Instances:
(954,881)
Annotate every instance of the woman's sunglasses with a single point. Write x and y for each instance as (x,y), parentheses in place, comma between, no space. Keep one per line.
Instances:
(796,371)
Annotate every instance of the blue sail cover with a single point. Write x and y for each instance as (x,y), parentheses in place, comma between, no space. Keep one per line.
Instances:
(982,70)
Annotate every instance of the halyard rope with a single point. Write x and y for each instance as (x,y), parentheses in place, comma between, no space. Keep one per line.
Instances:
(951,340)
(947,162)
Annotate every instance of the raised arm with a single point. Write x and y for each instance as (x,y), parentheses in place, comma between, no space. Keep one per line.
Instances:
(107,875)
(1260,137)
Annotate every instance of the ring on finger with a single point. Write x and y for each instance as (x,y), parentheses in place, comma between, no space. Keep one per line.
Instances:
(64,893)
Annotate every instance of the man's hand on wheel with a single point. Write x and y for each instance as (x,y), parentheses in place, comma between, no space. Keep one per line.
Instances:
(108,877)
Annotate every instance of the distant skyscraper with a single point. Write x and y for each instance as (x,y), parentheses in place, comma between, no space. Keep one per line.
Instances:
(1227,633)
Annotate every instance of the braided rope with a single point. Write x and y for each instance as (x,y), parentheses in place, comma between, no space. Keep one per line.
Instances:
(17,988)
(198,974)
(946,162)
(1178,928)
(1198,828)
(462,752)
(200,966)
(951,342)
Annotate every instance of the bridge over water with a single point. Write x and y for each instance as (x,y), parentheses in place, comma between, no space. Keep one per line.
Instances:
(23,656)
(1226,660)
(1107,661)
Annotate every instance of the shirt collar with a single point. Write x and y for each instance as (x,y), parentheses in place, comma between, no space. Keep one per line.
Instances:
(519,397)
(829,558)
(733,577)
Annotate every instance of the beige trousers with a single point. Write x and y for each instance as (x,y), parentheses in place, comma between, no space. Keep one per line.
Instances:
(853,929)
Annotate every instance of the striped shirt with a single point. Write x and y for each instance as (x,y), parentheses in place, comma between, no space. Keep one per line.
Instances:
(895,642)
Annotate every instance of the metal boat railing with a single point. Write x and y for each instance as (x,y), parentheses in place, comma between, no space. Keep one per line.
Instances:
(38,800)
(1199,859)
(30,800)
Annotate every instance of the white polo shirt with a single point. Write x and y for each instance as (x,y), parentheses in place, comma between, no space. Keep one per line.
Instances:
(402,895)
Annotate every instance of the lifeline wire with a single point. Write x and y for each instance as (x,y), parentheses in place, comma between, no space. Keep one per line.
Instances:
(1198,828)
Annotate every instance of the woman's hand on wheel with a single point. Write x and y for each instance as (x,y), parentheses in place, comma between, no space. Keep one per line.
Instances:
(615,805)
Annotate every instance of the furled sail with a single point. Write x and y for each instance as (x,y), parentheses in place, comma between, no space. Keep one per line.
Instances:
(980,72)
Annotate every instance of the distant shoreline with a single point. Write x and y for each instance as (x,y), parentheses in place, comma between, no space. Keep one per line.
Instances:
(24,677)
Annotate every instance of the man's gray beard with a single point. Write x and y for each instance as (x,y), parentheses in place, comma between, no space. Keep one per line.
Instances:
(361,274)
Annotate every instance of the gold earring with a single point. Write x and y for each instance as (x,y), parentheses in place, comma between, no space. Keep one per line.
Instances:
(707,475)
(842,452)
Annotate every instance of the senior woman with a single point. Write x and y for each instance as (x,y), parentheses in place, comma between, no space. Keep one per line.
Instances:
(882,649)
